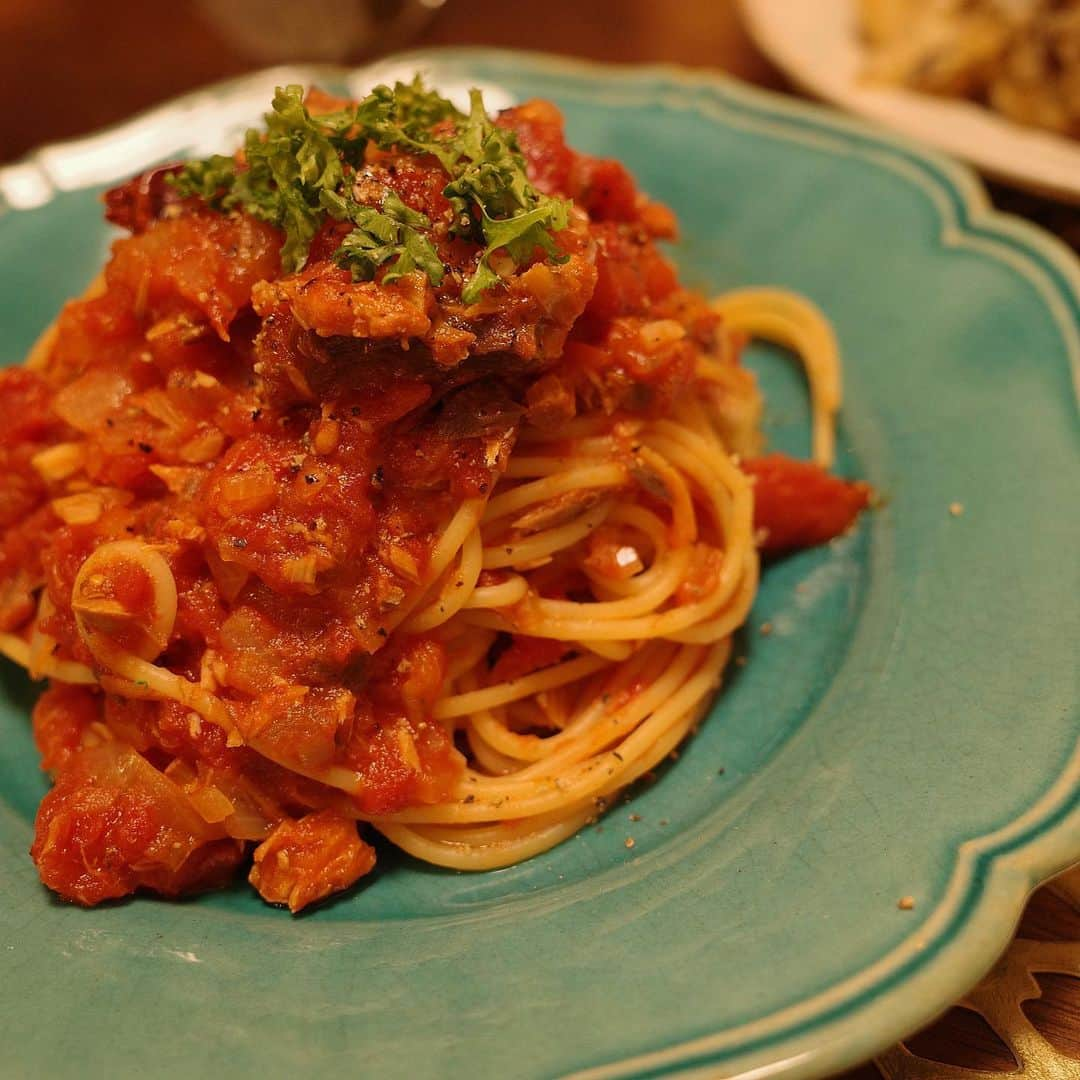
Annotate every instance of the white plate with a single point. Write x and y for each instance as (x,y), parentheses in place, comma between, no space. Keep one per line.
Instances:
(814,42)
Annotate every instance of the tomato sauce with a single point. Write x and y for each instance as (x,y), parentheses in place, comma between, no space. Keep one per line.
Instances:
(293,446)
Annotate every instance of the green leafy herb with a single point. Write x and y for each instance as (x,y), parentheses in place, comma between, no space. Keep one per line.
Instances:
(299,171)
(288,167)
(520,236)
(490,175)
(392,232)
(406,117)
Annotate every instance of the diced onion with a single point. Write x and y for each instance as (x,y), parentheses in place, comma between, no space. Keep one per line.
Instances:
(60,461)
(87,402)
(83,508)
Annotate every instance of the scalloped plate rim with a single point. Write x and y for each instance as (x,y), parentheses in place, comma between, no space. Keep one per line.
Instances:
(993,874)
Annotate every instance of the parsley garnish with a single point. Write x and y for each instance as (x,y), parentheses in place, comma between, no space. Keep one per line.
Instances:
(380,235)
(490,174)
(299,171)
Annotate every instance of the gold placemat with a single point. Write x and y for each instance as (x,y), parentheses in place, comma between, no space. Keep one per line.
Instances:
(1022,1020)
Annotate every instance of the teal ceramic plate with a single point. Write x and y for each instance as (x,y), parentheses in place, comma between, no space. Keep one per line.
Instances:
(907,729)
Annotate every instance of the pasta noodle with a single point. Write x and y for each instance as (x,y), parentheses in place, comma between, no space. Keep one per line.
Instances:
(463,602)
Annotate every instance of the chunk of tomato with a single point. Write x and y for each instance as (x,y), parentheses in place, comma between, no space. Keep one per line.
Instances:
(797,504)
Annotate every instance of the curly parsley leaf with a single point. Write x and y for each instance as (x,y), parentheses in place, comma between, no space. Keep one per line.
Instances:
(298,171)
(286,169)
(407,118)
(210,179)
(513,215)
(519,237)
(490,173)
(391,232)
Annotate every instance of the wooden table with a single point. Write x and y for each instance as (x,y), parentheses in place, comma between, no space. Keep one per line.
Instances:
(72,66)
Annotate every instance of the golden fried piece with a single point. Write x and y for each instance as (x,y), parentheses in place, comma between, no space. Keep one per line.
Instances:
(1020,57)
(1038,82)
(946,47)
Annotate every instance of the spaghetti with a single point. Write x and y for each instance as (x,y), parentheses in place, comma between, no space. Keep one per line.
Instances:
(300,549)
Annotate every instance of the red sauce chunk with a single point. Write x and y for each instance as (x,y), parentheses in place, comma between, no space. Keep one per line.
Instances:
(112,823)
(797,504)
(306,860)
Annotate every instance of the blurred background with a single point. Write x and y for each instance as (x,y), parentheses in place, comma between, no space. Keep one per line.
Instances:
(77,65)
(68,67)
(80,64)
